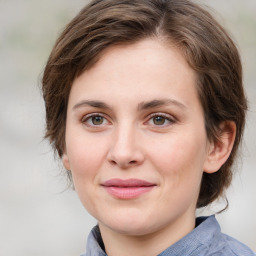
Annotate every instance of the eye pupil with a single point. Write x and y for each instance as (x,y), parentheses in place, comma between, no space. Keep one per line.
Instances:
(158,120)
(97,120)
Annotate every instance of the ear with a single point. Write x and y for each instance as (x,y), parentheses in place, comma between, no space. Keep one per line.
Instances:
(65,161)
(220,150)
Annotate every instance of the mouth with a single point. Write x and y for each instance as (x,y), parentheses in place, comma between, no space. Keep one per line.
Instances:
(127,189)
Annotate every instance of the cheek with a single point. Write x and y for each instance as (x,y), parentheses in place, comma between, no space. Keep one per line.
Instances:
(85,156)
(180,158)
(180,167)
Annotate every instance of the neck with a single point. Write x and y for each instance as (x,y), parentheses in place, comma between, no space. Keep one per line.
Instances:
(151,244)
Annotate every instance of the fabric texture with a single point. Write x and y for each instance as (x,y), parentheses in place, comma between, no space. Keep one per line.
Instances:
(205,240)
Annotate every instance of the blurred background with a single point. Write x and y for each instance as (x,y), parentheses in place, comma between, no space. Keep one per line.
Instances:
(39,215)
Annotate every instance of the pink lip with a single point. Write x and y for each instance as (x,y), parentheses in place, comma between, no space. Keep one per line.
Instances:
(127,189)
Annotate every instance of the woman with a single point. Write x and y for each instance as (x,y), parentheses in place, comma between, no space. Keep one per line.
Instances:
(146,108)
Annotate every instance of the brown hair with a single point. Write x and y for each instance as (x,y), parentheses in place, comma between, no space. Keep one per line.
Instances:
(204,43)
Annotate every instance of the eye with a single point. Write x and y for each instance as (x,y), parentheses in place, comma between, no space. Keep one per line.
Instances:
(160,119)
(94,120)
(97,120)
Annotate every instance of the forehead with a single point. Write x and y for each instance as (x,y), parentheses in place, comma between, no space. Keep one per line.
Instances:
(148,68)
(149,51)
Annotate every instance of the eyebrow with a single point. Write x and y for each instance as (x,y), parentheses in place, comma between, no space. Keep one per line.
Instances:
(91,103)
(142,106)
(160,103)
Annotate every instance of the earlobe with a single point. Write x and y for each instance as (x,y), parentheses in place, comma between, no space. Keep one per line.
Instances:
(219,151)
(65,161)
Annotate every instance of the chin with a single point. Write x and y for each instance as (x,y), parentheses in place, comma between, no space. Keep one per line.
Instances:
(131,226)
(133,230)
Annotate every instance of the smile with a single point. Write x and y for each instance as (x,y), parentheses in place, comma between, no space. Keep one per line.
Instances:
(127,189)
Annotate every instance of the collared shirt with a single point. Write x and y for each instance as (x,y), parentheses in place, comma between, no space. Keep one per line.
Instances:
(205,240)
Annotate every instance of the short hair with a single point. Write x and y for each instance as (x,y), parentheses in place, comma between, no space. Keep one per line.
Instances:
(204,43)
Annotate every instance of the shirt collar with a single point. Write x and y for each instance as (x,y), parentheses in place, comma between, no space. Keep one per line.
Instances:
(95,245)
(197,240)
(206,229)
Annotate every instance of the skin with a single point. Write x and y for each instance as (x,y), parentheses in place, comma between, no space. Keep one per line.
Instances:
(136,114)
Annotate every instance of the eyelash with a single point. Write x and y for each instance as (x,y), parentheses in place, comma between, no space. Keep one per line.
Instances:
(88,119)
(85,120)
(166,117)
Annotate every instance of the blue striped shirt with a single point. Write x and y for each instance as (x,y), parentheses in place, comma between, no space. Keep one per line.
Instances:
(205,240)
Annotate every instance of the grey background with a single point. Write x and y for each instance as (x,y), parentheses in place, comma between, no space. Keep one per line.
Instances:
(38,215)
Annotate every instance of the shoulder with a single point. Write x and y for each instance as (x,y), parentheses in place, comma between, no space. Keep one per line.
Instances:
(215,243)
(234,247)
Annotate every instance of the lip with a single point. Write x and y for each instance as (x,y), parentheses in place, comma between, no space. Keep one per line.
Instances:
(127,189)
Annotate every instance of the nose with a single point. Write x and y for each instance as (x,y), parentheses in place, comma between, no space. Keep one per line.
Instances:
(125,150)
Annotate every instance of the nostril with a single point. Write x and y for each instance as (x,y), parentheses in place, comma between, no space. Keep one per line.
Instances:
(113,162)
(132,162)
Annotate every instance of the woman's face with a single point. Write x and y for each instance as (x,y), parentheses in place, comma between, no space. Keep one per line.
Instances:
(135,139)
